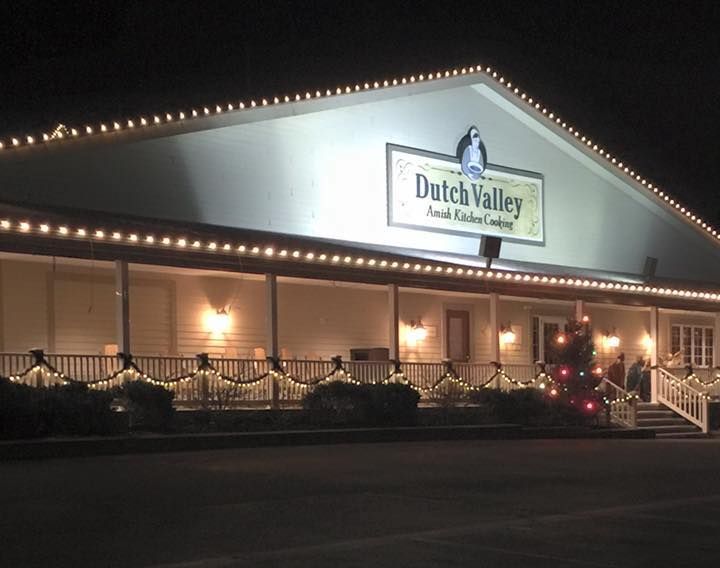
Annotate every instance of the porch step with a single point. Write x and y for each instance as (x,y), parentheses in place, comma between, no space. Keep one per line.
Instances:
(650,406)
(681,435)
(651,414)
(671,429)
(665,423)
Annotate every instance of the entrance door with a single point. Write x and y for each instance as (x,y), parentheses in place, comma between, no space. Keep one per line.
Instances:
(457,335)
(547,328)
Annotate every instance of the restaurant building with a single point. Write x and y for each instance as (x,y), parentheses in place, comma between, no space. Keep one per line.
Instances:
(438,226)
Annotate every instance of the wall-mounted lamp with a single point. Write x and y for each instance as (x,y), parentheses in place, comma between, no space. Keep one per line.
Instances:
(507,335)
(218,322)
(611,340)
(417,330)
(647,343)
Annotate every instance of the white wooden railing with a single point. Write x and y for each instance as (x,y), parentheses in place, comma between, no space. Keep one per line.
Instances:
(623,405)
(703,379)
(285,381)
(683,399)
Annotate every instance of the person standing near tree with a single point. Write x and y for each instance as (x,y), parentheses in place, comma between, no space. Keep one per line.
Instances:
(616,375)
(616,371)
(634,376)
(644,386)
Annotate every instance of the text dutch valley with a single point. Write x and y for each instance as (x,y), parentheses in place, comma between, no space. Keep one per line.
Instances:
(490,199)
(429,192)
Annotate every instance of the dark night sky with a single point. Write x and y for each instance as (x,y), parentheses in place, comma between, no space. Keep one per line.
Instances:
(641,78)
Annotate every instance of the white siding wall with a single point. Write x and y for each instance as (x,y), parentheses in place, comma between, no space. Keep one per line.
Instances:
(24,302)
(200,296)
(84,312)
(429,309)
(517,315)
(631,326)
(324,321)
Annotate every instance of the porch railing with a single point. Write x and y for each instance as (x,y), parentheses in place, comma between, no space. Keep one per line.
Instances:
(685,400)
(226,383)
(703,379)
(622,405)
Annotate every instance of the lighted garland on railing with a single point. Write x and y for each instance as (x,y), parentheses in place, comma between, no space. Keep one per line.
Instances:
(541,376)
(130,371)
(205,369)
(677,383)
(706,384)
(452,376)
(692,376)
(42,365)
(339,370)
(621,400)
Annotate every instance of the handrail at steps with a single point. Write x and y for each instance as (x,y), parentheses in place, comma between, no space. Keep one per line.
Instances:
(683,399)
(623,405)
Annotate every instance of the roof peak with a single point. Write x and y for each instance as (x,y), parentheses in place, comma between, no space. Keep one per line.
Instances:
(488,74)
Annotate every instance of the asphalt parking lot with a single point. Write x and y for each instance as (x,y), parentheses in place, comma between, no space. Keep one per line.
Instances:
(482,503)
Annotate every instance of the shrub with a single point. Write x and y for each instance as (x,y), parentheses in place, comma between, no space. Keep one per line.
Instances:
(393,404)
(527,407)
(19,410)
(150,406)
(27,412)
(75,410)
(339,403)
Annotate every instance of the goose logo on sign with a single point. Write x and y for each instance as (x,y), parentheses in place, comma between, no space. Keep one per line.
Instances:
(472,154)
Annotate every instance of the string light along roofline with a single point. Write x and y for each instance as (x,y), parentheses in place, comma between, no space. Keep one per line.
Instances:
(377,262)
(617,165)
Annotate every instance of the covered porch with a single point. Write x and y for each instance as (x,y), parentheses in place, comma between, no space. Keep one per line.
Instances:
(226,338)
(243,317)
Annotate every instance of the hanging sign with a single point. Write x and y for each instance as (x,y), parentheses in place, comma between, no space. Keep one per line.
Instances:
(463,194)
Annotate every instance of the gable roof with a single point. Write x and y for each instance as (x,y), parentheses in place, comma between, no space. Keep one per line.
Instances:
(201,118)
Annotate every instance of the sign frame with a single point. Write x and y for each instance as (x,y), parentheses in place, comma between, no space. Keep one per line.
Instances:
(390,147)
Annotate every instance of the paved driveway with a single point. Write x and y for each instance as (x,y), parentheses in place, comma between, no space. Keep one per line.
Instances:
(495,503)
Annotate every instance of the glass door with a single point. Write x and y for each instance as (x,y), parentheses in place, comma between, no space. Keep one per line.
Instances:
(544,332)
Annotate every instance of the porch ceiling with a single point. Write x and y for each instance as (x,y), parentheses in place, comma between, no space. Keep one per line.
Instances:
(91,235)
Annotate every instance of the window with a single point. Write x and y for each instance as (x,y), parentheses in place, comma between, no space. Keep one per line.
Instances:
(695,343)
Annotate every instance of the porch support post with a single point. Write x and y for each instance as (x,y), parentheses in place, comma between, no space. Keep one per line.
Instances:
(394,321)
(122,306)
(655,338)
(495,331)
(579,310)
(716,341)
(271,332)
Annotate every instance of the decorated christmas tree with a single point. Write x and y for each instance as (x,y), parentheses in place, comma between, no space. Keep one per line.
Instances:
(574,373)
